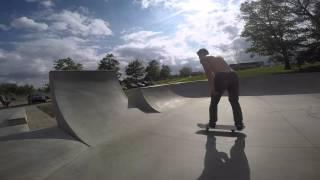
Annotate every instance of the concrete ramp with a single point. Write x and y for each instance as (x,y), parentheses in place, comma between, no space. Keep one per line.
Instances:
(196,89)
(276,84)
(91,106)
(13,121)
(155,98)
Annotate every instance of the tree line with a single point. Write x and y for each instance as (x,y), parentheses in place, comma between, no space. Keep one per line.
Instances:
(286,30)
(13,89)
(136,73)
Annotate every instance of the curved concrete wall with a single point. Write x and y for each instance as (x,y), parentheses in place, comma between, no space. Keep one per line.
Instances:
(281,84)
(278,84)
(87,103)
(137,100)
(155,98)
(191,89)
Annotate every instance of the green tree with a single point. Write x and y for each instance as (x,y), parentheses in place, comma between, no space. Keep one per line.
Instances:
(67,65)
(14,89)
(45,88)
(153,71)
(271,29)
(7,88)
(185,71)
(109,62)
(308,12)
(25,89)
(165,72)
(135,71)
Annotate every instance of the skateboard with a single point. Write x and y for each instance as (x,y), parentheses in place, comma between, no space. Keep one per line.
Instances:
(222,127)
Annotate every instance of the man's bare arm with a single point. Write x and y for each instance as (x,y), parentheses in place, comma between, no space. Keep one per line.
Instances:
(210,75)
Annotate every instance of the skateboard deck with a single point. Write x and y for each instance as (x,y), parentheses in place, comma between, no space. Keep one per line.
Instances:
(221,127)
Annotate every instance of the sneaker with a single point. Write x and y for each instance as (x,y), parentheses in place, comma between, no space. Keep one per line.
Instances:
(240,127)
(212,125)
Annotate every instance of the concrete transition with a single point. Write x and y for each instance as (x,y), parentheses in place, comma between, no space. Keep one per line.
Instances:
(99,137)
(91,106)
(155,99)
(277,84)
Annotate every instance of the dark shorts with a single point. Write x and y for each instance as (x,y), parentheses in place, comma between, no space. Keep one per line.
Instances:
(227,81)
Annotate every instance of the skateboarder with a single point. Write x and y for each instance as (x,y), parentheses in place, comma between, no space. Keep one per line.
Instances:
(221,77)
(4,100)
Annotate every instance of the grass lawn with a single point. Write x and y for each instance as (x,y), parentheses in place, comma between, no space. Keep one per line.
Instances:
(249,73)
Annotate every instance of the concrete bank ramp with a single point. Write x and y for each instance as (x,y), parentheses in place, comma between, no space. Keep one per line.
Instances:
(13,121)
(276,84)
(281,84)
(91,106)
(155,98)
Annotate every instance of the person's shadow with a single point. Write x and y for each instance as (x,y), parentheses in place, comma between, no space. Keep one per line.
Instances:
(217,165)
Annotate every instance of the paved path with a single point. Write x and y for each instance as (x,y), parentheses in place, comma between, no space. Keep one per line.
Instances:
(38,119)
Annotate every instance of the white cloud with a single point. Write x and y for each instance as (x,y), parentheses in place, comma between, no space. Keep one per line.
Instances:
(68,34)
(198,6)
(79,24)
(139,36)
(206,23)
(28,24)
(30,62)
(184,5)
(212,24)
(164,55)
(149,45)
(99,27)
(55,48)
(235,52)
(232,30)
(59,26)
(149,3)
(4,27)
(13,68)
(45,3)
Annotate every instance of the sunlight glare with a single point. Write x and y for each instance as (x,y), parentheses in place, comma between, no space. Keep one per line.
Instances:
(199,5)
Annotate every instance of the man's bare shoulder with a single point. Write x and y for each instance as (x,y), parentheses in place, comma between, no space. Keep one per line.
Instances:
(211,58)
(207,58)
(219,58)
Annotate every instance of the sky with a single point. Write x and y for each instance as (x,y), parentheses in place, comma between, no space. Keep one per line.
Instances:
(35,33)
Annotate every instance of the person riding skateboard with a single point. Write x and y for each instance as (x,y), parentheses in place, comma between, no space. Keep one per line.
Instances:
(221,77)
(4,101)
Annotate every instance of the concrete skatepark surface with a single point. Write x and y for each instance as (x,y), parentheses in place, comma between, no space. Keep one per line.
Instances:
(100,137)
